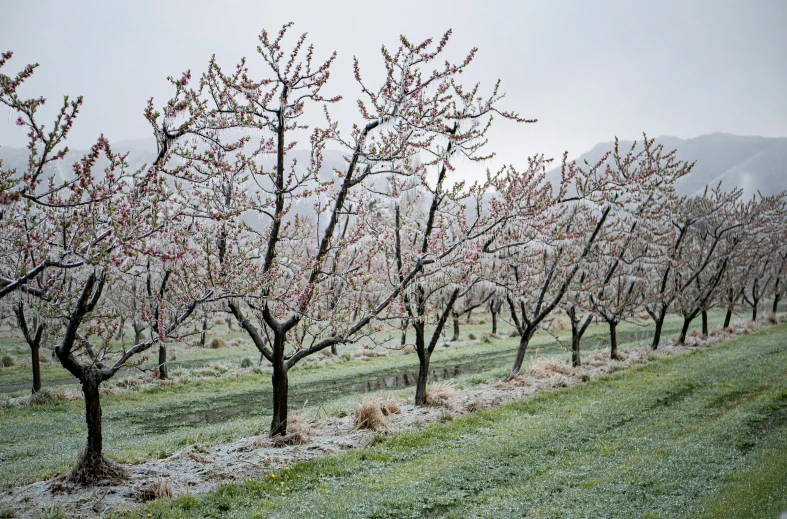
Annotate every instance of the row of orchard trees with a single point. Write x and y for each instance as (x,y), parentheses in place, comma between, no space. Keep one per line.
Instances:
(226,221)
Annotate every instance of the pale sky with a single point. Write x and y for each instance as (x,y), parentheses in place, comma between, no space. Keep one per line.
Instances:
(588,70)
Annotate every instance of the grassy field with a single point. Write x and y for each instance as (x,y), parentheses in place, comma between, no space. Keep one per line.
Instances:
(40,441)
(702,435)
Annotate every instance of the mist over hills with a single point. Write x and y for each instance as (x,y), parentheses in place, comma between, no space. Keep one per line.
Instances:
(750,162)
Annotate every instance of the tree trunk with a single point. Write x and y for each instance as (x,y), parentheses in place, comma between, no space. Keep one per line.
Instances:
(138,329)
(728,317)
(776,299)
(613,340)
(229,324)
(404,332)
(204,333)
(334,350)
(494,319)
(456,326)
(162,362)
(119,334)
(90,384)
(704,323)
(280,389)
(423,378)
(659,326)
(754,309)
(527,334)
(684,331)
(576,358)
(35,362)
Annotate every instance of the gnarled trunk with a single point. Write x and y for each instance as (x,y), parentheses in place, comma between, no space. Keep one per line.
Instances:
(727,317)
(659,320)
(280,388)
(456,326)
(90,383)
(423,363)
(576,358)
(613,340)
(121,324)
(423,378)
(684,331)
(138,329)
(35,362)
(524,340)
(204,333)
(162,362)
(704,323)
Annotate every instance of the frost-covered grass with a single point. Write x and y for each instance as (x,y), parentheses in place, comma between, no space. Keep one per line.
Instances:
(227,402)
(697,435)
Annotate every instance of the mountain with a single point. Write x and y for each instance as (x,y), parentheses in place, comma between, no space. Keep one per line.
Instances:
(752,163)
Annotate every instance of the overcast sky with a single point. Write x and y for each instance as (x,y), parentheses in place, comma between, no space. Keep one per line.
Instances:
(587,70)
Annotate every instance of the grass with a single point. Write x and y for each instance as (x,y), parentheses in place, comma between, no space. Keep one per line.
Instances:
(698,435)
(41,441)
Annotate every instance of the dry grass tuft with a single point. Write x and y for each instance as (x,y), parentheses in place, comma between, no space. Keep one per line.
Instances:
(441,394)
(326,352)
(543,368)
(695,333)
(154,490)
(516,380)
(389,406)
(297,433)
(198,457)
(408,349)
(595,359)
(560,323)
(42,358)
(367,352)
(771,318)
(370,416)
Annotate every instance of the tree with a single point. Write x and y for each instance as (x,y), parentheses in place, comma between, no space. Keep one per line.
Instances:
(707,223)
(285,293)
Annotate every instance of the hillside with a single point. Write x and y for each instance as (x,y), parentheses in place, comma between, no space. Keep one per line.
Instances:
(753,163)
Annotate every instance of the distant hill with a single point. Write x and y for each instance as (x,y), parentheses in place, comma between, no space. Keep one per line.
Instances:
(752,163)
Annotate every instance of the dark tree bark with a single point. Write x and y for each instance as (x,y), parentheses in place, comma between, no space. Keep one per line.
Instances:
(578,329)
(776,299)
(280,399)
(204,333)
(162,362)
(704,323)
(728,317)
(404,332)
(494,310)
(684,331)
(90,384)
(425,350)
(121,324)
(456,326)
(424,356)
(138,329)
(33,339)
(613,340)
(524,340)
(754,305)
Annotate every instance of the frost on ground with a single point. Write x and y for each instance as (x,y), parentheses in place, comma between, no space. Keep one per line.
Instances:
(196,469)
